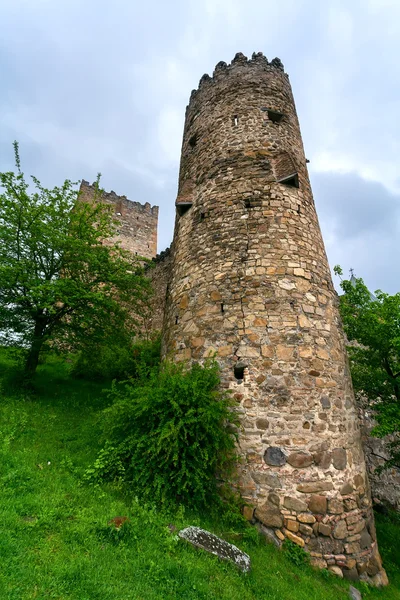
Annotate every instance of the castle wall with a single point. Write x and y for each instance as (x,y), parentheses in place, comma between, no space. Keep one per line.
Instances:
(250,284)
(137,223)
(159,275)
(385,485)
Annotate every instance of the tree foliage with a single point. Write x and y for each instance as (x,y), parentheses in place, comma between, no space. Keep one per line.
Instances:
(372,323)
(57,276)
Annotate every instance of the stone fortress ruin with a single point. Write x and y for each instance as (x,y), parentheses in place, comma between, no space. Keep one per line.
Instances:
(247,280)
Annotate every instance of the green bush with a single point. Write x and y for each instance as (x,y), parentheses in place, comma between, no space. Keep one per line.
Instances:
(169,435)
(117,357)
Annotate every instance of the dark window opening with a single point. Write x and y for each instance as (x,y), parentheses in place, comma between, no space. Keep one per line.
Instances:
(292,304)
(176,320)
(193,140)
(238,371)
(252,202)
(235,120)
(183,207)
(298,209)
(275,116)
(222,308)
(291,180)
(202,216)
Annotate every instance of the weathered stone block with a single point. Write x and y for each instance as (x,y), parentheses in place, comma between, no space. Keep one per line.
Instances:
(211,543)
(339,458)
(294,538)
(274,456)
(294,504)
(316,486)
(306,518)
(300,459)
(335,507)
(269,515)
(324,529)
(318,504)
(340,530)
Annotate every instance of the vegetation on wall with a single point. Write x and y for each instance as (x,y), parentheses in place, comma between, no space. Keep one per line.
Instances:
(57,276)
(372,323)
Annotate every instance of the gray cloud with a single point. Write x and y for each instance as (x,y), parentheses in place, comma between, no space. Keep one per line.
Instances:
(99,86)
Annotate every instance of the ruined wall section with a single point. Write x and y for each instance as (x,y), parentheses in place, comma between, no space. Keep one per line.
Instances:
(137,223)
(159,274)
(250,283)
(385,484)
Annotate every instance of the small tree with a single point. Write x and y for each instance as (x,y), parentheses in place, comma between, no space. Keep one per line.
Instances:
(58,276)
(373,323)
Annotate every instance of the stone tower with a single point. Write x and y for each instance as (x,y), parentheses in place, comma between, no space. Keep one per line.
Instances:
(251,284)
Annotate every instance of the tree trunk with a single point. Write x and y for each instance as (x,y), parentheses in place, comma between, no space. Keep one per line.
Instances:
(36,346)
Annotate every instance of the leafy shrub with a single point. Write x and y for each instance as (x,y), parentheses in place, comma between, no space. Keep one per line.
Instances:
(117,358)
(295,553)
(169,434)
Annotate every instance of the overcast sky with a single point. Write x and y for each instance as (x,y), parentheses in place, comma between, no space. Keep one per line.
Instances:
(94,85)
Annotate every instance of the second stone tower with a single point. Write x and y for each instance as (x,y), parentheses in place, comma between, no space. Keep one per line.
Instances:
(251,285)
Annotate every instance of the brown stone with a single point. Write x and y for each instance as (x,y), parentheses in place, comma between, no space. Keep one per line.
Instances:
(323,459)
(306,518)
(291,525)
(335,507)
(358,481)
(318,504)
(300,459)
(324,529)
(305,529)
(216,296)
(318,563)
(340,530)
(316,486)
(352,548)
(269,515)
(357,527)
(262,424)
(248,512)
(346,489)
(294,538)
(336,570)
(339,458)
(294,504)
(184,303)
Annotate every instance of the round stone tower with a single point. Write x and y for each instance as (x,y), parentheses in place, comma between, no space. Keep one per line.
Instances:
(251,285)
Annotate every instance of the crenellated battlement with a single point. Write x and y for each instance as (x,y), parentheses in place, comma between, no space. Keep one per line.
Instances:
(222,69)
(137,223)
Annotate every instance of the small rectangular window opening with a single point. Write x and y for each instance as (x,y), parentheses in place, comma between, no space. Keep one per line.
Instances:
(238,371)
(183,207)
(193,140)
(222,308)
(275,116)
(176,320)
(202,216)
(290,180)
(235,120)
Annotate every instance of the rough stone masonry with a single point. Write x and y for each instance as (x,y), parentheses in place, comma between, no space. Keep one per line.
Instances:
(250,283)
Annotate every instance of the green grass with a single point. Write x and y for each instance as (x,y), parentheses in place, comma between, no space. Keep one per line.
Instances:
(55,541)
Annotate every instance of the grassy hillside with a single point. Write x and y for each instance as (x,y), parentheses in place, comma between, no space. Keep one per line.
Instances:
(55,539)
